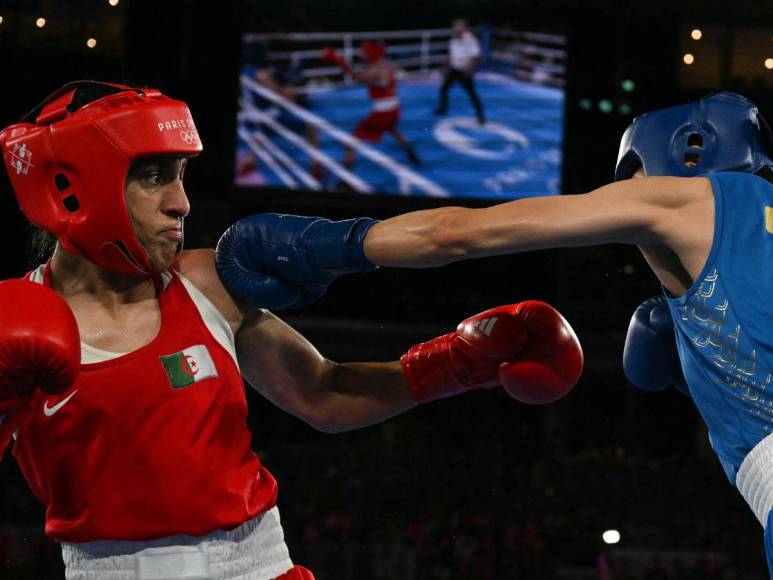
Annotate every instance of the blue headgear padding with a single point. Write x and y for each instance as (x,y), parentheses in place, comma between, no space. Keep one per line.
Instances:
(720,132)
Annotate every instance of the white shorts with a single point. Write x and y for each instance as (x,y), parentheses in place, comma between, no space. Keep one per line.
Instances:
(755,479)
(256,550)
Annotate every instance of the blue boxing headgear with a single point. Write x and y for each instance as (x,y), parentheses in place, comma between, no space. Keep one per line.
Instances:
(720,132)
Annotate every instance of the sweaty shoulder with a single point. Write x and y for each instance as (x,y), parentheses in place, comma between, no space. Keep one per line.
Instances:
(687,201)
(199,267)
(662,204)
(669,192)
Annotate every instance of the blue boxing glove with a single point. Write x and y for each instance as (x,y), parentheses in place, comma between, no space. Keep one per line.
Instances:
(280,261)
(650,358)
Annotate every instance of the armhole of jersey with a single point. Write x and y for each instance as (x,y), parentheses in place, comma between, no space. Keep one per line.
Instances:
(716,243)
(212,317)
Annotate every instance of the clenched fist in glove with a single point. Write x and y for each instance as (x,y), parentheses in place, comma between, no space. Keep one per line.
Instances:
(280,261)
(650,359)
(39,347)
(528,348)
(39,340)
(331,56)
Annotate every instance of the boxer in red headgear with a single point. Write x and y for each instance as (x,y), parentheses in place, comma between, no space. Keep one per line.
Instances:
(121,357)
(69,170)
(380,77)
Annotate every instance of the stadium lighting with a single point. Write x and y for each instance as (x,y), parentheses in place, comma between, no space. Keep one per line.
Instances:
(696,34)
(91,42)
(611,537)
(113,2)
(769,63)
(40,22)
(688,58)
(605,106)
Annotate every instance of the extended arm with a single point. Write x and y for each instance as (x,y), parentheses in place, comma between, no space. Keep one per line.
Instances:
(637,212)
(286,368)
(278,261)
(368,76)
(528,348)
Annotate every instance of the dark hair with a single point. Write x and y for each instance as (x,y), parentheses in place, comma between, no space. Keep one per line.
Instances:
(83,93)
(40,246)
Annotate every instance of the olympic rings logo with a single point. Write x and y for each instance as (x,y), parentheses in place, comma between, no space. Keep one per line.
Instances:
(190,137)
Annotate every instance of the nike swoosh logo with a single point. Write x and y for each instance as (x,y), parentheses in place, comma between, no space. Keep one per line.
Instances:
(48,411)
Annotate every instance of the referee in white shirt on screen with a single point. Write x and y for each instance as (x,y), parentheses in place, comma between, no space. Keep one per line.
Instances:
(463,57)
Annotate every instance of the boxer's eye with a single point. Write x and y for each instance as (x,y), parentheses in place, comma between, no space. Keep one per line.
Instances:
(157,173)
(160,175)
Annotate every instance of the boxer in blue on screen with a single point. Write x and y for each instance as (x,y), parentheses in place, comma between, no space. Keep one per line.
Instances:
(700,210)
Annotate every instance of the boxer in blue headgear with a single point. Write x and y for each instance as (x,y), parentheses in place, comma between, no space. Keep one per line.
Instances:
(717,337)
(720,132)
(700,211)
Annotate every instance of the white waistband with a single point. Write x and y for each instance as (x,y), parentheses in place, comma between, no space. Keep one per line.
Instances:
(254,551)
(386,104)
(755,479)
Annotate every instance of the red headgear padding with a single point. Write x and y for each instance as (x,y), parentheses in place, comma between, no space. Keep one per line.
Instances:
(68,165)
(371,51)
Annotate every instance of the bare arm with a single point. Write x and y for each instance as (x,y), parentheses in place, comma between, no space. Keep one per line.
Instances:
(654,211)
(286,368)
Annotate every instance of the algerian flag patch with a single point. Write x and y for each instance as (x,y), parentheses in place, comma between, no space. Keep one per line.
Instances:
(189,366)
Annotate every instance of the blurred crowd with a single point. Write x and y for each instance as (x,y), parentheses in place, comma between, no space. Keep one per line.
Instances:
(450,504)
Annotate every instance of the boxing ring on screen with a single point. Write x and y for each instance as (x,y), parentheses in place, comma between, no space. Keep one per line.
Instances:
(298,115)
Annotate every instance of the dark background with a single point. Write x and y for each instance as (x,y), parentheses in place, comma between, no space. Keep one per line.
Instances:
(478,486)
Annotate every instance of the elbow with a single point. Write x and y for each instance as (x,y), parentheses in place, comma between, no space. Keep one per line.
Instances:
(449,237)
(320,408)
(315,411)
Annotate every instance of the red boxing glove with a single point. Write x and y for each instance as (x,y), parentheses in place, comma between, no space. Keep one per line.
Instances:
(39,340)
(528,348)
(331,56)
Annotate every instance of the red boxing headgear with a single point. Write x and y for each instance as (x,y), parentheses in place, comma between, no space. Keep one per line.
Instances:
(372,51)
(68,165)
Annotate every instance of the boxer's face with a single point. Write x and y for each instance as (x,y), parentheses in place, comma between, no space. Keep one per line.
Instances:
(157,204)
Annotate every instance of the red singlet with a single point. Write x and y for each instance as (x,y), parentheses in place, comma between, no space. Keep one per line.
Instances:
(385,111)
(149,444)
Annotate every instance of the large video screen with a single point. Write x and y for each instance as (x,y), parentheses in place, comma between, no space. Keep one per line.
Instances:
(457,112)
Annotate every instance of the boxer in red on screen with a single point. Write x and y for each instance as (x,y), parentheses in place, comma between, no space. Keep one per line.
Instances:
(380,76)
(122,357)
